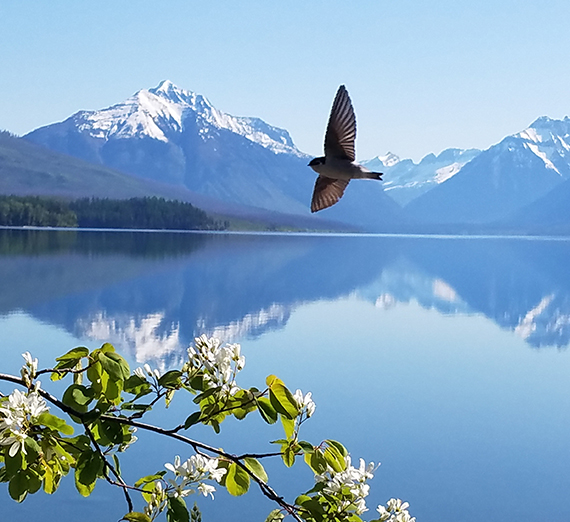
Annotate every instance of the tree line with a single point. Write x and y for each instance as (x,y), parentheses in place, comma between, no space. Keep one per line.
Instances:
(146,213)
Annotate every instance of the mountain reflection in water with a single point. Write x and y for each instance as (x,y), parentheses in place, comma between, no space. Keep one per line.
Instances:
(152,293)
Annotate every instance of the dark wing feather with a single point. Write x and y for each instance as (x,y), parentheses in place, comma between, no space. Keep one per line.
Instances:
(341,130)
(327,192)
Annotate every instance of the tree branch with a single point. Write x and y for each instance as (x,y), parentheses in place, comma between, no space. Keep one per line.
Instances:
(267,490)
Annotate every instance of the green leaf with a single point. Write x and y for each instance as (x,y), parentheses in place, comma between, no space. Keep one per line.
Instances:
(149,479)
(135,516)
(32,449)
(288,426)
(197,382)
(13,464)
(107,348)
(51,480)
(335,459)
(237,480)
(177,510)
(137,386)
(94,374)
(266,410)
(169,396)
(256,468)
(88,467)
(307,447)
(147,491)
(312,505)
(192,419)
(117,368)
(316,461)
(343,451)
(170,379)
(282,399)
(34,481)
(117,463)
(113,431)
(199,398)
(74,355)
(18,486)
(55,423)
(288,455)
(77,397)
(275,516)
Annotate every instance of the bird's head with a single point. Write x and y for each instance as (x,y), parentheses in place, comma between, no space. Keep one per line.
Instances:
(316,162)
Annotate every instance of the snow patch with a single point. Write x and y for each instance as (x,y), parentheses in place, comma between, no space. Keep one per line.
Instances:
(542,155)
(447,172)
(527,325)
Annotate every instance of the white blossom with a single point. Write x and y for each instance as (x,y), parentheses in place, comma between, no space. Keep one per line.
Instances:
(193,472)
(353,479)
(305,402)
(206,490)
(220,363)
(31,363)
(30,368)
(17,415)
(395,511)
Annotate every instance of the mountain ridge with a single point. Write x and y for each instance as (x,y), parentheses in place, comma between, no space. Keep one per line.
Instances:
(175,136)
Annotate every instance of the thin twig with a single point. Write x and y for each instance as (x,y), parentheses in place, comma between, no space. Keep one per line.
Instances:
(110,467)
(64,370)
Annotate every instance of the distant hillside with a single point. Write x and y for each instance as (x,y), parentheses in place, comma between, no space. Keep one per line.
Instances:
(30,169)
(547,215)
(27,169)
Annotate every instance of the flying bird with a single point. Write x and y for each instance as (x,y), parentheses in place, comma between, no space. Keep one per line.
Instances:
(338,166)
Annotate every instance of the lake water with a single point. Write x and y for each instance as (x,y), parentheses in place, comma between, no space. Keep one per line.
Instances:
(445,359)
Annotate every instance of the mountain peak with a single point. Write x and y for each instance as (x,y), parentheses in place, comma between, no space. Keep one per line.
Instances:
(166,90)
(387,160)
(165,86)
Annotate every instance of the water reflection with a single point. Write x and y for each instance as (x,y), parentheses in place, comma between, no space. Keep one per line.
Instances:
(152,293)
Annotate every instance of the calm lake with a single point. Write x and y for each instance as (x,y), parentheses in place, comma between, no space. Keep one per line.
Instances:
(445,359)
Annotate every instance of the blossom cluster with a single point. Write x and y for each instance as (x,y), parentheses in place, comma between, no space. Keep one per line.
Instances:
(305,403)
(193,472)
(351,479)
(17,415)
(29,370)
(145,371)
(395,511)
(220,363)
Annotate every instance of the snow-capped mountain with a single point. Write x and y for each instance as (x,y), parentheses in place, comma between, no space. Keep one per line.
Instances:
(159,113)
(502,179)
(175,136)
(405,180)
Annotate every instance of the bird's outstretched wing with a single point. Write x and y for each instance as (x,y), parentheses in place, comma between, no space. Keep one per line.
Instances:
(341,130)
(327,192)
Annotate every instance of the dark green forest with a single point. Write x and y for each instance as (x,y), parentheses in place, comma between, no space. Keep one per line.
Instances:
(146,213)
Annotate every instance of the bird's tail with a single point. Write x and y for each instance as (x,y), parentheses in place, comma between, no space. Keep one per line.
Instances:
(374,175)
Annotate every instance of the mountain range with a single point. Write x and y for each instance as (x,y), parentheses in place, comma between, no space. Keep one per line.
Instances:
(176,139)
(175,136)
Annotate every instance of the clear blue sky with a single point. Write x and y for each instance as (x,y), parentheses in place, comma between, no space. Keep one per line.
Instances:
(423,76)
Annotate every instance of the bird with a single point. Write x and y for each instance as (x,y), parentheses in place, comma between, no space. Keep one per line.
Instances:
(338,166)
